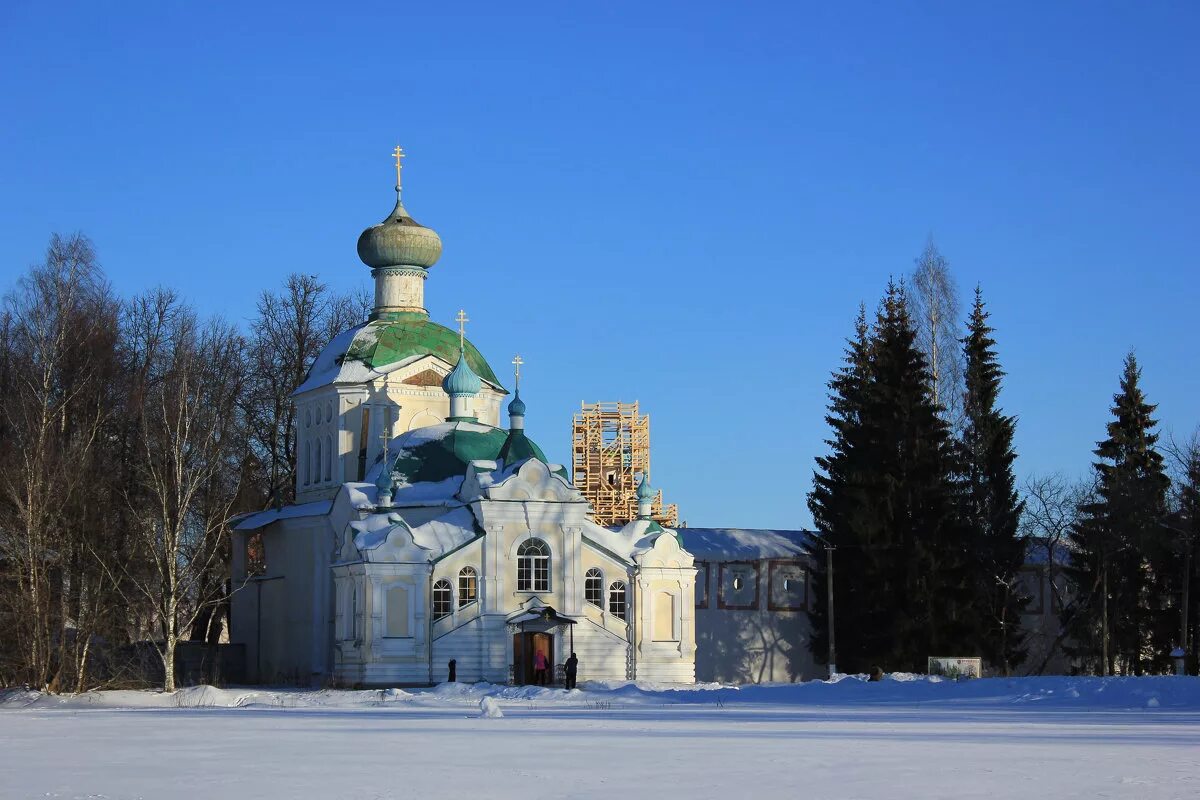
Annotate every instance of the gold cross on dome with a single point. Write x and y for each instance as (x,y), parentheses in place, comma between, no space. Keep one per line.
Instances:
(398,154)
(517,362)
(462,321)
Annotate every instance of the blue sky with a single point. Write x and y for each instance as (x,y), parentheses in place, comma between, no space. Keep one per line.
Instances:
(678,203)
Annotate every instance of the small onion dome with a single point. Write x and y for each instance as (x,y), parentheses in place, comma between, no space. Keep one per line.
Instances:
(462,380)
(399,241)
(517,407)
(644,492)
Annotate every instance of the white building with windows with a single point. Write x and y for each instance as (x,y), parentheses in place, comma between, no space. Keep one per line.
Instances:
(423,533)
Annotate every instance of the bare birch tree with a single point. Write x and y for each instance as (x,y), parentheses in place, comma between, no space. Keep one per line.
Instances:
(935,311)
(188,464)
(59,353)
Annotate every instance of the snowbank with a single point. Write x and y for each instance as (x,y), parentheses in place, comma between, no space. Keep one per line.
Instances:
(1058,693)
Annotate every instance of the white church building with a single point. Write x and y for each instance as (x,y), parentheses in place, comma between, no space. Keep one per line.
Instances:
(424,533)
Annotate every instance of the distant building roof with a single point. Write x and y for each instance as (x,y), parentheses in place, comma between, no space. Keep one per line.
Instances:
(742,544)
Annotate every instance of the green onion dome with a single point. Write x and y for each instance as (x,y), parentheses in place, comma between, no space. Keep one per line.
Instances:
(462,380)
(399,241)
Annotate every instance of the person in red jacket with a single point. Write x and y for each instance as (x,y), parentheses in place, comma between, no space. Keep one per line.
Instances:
(539,668)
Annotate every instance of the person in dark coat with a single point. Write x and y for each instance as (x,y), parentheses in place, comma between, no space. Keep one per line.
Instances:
(572,669)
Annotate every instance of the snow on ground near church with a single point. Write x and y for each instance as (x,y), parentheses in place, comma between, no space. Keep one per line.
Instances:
(903,738)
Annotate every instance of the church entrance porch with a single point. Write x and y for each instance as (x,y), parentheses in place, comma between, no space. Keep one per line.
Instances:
(526,646)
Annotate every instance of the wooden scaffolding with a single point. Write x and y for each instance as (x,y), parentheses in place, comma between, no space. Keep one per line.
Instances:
(610,448)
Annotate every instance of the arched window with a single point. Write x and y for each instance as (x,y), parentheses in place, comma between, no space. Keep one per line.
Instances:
(533,566)
(468,586)
(616,599)
(328,458)
(442,598)
(307,463)
(593,587)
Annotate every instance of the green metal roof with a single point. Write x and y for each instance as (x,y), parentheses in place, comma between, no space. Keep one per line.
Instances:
(519,447)
(443,451)
(405,334)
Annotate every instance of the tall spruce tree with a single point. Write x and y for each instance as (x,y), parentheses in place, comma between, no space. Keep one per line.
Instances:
(991,507)
(1121,566)
(885,500)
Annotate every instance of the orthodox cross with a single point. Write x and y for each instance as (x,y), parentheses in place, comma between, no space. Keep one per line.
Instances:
(384,434)
(398,154)
(517,362)
(462,321)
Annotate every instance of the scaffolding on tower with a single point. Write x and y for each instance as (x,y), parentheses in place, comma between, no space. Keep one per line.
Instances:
(610,449)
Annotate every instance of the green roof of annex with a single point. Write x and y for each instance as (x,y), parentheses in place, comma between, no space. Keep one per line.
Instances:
(401,335)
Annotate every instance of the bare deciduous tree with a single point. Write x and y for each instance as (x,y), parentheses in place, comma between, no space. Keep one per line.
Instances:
(292,327)
(191,376)
(935,310)
(59,340)
(1051,510)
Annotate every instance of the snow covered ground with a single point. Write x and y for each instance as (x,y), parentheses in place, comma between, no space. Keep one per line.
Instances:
(1035,739)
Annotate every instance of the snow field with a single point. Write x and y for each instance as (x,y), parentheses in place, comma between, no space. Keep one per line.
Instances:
(901,738)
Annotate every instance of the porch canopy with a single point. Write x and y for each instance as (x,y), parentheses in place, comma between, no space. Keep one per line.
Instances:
(543,614)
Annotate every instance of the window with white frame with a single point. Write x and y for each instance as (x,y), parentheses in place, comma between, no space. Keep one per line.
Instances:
(468,586)
(616,599)
(442,598)
(593,587)
(533,566)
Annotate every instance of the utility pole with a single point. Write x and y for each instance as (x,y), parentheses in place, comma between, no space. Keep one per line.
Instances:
(829,606)
(1104,663)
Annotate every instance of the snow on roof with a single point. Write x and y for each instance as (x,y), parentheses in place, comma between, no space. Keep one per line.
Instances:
(329,367)
(741,544)
(448,532)
(263,518)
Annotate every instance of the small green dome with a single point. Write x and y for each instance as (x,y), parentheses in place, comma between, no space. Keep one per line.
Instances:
(644,490)
(517,407)
(462,381)
(399,241)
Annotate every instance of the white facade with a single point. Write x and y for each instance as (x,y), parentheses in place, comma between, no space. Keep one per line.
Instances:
(357,594)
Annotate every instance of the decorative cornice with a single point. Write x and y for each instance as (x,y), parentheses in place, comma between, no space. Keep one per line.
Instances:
(391,272)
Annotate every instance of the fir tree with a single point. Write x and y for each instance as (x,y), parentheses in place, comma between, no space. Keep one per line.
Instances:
(836,494)
(884,498)
(991,508)
(1121,619)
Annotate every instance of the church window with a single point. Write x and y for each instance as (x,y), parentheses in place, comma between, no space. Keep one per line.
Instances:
(616,599)
(533,566)
(328,458)
(468,586)
(305,459)
(364,435)
(317,463)
(593,587)
(395,613)
(664,617)
(351,620)
(329,411)
(256,555)
(442,598)
(308,417)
